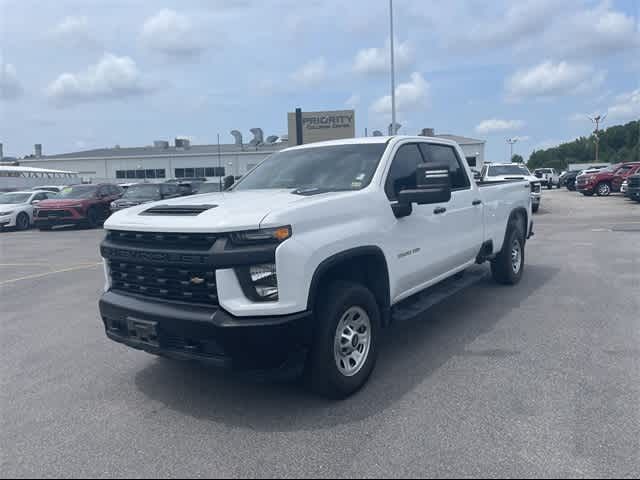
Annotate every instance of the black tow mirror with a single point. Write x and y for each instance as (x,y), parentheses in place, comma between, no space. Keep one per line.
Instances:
(433,185)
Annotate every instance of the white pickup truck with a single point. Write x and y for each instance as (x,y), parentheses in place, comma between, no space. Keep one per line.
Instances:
(498,172)
(304,260)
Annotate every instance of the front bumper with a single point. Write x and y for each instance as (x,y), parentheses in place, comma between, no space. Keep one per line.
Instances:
(8,220)
(585,187)
(208,335)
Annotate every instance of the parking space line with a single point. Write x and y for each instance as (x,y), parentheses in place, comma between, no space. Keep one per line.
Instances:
(44,274)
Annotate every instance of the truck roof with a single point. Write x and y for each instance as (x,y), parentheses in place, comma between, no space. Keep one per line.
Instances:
(370,140)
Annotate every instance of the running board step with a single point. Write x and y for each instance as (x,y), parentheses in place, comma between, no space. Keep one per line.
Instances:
(420,302)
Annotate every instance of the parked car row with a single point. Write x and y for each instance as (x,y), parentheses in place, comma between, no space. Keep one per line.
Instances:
(87,205)
(606,181)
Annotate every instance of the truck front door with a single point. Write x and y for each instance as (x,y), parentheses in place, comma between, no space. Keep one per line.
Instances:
(462,220)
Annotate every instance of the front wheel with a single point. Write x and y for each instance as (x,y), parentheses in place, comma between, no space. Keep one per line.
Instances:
(603,189)
(23,222)
(508,265)
(92,218)
(345,343)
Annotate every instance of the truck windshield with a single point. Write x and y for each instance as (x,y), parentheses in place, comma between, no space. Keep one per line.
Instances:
(340,167)
(496,170)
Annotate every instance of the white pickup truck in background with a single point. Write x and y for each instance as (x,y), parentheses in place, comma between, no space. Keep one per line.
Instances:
(499,172)
(303,261)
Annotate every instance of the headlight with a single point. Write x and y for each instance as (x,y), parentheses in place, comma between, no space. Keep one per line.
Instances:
(260,282)
(266,235)
(592,177)
(8,212)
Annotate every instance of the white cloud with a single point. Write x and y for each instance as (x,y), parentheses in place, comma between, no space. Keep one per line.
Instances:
(550,79)
(311,73)
(494,125)
(172,34)
(377,60)
(10,87)
(412,95)
(353,101)
(112,77)
(597,31)
(626,107)
(75,31)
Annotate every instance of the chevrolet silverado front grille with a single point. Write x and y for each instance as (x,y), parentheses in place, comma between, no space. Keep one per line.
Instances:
(185,284)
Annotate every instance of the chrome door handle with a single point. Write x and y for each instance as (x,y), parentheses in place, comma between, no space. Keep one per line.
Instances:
(439,210)
(476,202)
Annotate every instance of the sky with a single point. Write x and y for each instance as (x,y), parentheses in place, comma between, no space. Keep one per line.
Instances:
(81,74)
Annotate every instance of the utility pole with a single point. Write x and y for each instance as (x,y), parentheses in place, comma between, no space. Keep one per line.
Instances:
(511,142)
(393,73)
(218,172)
(596,120)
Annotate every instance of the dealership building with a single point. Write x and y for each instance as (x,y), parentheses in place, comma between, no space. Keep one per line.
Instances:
(162,160)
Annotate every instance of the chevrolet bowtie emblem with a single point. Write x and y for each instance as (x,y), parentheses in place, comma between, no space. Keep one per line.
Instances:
(197,280)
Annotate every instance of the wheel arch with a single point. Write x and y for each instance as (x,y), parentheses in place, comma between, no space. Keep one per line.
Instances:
(366,265)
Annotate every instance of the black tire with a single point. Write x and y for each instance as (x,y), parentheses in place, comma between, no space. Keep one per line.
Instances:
(93,219)
(323,375)
(588,194)
(535,208)
(603,189)
(23,222)
(503,266)
(549,185)
(45,228)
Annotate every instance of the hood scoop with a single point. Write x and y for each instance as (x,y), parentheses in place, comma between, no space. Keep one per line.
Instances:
(177,210)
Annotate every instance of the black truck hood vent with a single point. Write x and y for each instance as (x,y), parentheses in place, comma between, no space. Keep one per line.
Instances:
(177,210)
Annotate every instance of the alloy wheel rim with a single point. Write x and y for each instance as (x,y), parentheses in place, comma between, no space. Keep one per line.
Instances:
(352,341)
(516,256)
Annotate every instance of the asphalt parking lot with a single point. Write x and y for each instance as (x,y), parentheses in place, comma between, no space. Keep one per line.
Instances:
(537,380)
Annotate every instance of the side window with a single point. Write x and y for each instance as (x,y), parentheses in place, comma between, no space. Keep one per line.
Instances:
(446,155)
(40,196)
(402,174)
(115,190)
(104,190)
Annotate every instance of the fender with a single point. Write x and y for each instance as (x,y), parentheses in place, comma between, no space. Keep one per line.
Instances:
(382,292)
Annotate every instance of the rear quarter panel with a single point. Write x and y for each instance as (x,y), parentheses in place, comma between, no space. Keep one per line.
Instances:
(499,201)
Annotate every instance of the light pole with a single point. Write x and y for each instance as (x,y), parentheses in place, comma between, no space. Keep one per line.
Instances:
(393,73)
(596,120)
(511,142)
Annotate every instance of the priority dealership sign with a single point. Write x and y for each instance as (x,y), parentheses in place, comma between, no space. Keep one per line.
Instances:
(321,126)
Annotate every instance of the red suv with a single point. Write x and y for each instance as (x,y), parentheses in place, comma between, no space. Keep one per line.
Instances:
(623,173)
(602,183)
(77,205)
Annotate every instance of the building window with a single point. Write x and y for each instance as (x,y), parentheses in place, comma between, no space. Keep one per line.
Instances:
(151,174)
(200,172)
(131,174)
(472,161)
(189,172)
(209,172)
(160,173)
(139,173)
(121,174)
(179,172)
(219,171)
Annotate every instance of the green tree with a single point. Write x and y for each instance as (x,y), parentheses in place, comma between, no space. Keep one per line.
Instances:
(517,158)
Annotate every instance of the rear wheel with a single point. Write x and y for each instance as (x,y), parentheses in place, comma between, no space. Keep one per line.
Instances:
(23,222)
(344,349)
(508,265)
(603,189)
